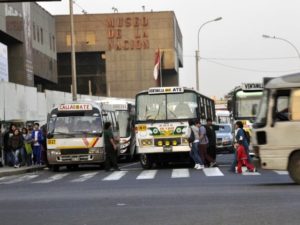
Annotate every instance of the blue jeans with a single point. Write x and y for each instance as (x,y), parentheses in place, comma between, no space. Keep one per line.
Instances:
(194,154)
(16,156)
(37,154)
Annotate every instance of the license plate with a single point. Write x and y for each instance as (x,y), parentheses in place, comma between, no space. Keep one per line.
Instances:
(167,148)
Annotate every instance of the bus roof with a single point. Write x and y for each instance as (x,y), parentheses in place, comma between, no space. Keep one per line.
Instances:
(287,81)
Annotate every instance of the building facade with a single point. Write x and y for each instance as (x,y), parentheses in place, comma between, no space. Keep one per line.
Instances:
(27,33)
(116,52)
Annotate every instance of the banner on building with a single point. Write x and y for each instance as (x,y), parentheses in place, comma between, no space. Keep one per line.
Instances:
(3,63)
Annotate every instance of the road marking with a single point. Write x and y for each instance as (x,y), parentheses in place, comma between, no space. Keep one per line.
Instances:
(117,175)
(180,173)
(21,179)
(281,172)
(52,178)
(213,172)
(129,165)
(85,177)
(147,174)
(251,173)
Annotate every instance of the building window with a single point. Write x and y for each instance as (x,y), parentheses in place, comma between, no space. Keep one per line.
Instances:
(68,39)
(90,38)
(53,42)
(50,41)
(33,31)
(38,34)
(42,38)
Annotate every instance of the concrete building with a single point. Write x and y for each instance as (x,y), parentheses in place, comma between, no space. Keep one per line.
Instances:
(116,52)
(27,38)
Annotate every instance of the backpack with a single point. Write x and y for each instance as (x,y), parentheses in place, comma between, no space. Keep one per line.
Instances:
(191,138)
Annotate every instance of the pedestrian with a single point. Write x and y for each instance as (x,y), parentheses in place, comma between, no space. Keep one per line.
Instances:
(37,138)
(16,143)
(44,159)
(211,135)
(240,135)
(203,144)
(27,146)
(8,154)
(194,143)
(242,158)
(110,148)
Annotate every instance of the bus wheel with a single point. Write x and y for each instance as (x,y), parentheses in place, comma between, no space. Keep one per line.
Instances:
(294,167)
(55,168)
(146,161)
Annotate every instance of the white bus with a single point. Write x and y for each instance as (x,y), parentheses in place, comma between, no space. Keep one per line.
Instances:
(162,115)
(125,111)
(74,134)
(277,127)
(244,103)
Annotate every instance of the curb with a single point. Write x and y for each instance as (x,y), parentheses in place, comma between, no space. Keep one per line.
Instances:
(20,171)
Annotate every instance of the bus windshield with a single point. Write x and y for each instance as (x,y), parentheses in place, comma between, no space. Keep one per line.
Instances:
(166,106)
(123,119)
(247,104)
(75,124)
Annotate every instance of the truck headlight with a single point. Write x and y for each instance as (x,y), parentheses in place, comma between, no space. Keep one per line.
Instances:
(94,150)
(55,152)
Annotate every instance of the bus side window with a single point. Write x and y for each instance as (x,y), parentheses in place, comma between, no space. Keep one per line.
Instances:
(282,109)
(295,105)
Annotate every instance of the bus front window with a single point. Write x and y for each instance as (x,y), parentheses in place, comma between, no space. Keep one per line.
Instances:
(181,106)
(261,118)
(151,107)
(247,104)
(123,118)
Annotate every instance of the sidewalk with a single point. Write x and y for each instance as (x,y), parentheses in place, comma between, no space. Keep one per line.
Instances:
(9,171)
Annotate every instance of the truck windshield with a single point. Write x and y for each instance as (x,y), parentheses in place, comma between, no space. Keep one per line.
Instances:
(166,106)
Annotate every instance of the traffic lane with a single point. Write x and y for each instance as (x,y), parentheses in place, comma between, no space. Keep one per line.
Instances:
(201,204)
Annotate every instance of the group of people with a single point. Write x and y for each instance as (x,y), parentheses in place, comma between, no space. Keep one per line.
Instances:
(203,144)
(23,147)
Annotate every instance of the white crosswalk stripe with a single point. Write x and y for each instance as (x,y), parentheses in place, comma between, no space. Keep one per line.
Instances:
(281,172)
(117,175)
(20,179)
(180,173)
(213,172)
(52,178)
(147,174)
(85,177)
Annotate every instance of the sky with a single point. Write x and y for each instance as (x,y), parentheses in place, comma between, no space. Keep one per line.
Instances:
(232,50)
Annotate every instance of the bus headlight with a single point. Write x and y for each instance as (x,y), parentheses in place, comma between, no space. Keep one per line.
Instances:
(160,143)
(167,143)
(174,142)
(147,142)
(94,150)
(55,152)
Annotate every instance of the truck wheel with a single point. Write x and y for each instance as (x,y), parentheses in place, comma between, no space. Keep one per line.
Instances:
(146,161)
(294,167)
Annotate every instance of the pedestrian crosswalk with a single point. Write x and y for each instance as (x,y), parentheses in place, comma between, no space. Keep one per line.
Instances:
(139,175)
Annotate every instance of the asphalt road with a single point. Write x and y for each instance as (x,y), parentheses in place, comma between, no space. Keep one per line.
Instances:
(171,195)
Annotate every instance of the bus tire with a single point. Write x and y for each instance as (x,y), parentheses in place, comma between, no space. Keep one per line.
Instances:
(146,161)
(55,168)
(294,167)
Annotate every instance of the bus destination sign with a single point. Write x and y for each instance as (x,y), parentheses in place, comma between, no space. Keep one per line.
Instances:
(75,107)
(165,90)
(252,86)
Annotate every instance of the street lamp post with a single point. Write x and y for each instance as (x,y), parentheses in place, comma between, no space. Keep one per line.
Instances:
(197,51)
(278,38)
(73,60)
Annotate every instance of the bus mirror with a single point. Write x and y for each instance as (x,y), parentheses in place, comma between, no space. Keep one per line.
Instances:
(50,135)
(229,107)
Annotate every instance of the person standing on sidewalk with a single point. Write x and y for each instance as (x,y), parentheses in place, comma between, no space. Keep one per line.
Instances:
(8,154)
(27,146)
(110,148)
(16,144)
(37,138)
